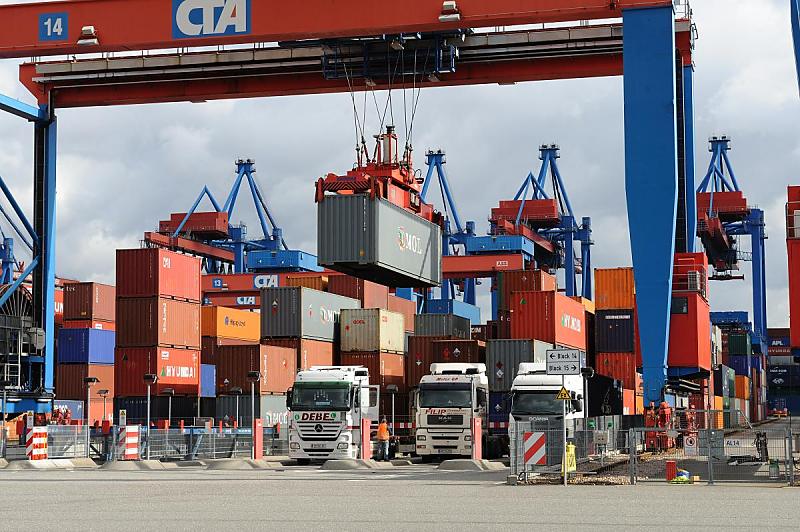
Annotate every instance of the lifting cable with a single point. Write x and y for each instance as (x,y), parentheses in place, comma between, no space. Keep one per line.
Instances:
(419,92)
(359,129)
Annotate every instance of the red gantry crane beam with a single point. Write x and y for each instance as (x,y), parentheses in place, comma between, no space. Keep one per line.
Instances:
(86,26)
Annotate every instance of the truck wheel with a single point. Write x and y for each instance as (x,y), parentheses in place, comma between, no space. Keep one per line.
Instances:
(303,461)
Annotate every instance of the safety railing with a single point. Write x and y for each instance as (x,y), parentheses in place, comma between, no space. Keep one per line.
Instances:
(67,441)
(793,220)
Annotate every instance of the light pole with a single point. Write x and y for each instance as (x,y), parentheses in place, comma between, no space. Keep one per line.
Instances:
(392,389)
(149,379)
(253,377)
(4,384)
(89,381)
(238,393)
(169,392)
(103,394)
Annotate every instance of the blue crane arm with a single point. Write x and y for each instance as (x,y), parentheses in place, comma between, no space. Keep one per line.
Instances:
(796,34)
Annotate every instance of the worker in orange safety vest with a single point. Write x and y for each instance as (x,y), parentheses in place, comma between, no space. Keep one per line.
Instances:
(383,439)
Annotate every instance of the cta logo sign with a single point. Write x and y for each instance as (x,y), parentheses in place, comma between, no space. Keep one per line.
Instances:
(265,281)
(409,242)
(205,18)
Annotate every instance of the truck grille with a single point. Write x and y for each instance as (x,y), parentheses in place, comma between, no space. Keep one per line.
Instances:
(318,430)
(457,419)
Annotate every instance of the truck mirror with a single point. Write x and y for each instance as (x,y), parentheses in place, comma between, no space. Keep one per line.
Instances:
(289,398)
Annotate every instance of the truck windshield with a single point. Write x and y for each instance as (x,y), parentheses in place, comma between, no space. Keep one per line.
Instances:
(321,396)
(449,395)
(535,403)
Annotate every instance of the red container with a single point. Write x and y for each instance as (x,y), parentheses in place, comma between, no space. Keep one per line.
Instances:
(384,368)
(794,291)
(277,365)
(202,225)
(309,352)
(503,325)
(426,350)
(176,368)
(725,203)
(59,306)
(151,321)
(689,344)
(405,307)
(522,281)
(90,324)
(149,272)
(548,316)
(370,294)
(628,403)
(210,346)
(540,212)
(89,301)
(620,366)
(70,380)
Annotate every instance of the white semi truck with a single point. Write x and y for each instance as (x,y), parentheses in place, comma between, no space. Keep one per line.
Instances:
(444,404)
(327,405)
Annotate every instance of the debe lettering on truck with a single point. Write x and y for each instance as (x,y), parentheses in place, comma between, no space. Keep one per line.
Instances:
(206,18)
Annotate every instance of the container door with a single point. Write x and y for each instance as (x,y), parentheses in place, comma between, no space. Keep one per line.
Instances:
(371,410)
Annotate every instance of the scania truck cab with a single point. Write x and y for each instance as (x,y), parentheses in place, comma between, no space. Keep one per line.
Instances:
(533,400)
(445,403)
(327,405)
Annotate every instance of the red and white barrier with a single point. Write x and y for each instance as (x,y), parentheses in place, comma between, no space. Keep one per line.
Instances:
(128,442)
(477,438)
(36,443)
(535,448)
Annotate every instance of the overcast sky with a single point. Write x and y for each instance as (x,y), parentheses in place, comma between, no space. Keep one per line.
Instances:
(121,170)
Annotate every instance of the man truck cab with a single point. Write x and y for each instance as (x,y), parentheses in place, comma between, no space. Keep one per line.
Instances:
(327,405)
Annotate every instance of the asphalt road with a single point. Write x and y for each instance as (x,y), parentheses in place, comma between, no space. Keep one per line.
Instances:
(404,498)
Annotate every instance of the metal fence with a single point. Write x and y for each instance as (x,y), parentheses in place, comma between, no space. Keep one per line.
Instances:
(67,441)
(194,443)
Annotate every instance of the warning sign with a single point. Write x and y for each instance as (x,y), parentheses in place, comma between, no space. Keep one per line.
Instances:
(563,395)
(690,445)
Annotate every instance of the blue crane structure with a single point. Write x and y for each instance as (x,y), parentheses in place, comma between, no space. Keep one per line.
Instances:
(795,14)
(268,253)
(725,217)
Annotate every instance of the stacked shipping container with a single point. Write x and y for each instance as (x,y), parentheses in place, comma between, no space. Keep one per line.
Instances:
(375,338)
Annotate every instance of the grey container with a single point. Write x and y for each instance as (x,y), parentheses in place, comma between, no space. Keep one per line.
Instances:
(375,240)
(442,325)
(503,358)
(299,312)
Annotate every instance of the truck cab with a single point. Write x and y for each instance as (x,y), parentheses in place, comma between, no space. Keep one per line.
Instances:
(327,405)
(445,404)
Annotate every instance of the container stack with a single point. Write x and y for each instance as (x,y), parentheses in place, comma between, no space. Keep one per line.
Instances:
(506,284)
(375,338)
(616,334)
(304,320)
(86,348)
(782,376)
(158,313)
(440,338)
(503,358)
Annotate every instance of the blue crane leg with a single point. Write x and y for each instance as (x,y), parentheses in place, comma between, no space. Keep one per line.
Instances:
(756,229)
(796,34)
(651,178)
(691,197)
(48,250)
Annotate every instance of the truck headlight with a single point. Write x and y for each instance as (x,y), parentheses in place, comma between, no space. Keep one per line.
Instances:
(294,446)
(468,437)
(342,446)
(422,437)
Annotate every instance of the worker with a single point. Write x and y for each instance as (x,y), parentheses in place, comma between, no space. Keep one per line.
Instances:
(383,439)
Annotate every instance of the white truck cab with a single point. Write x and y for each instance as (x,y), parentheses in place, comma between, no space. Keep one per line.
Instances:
(327,405)
(445,403)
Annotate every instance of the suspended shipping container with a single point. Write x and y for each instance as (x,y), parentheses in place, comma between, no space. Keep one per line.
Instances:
(85,346)
(372,330)
(548,316)
(151,272)
(89,301)
(151,321)
(302,313)
(176,368)
(352,238)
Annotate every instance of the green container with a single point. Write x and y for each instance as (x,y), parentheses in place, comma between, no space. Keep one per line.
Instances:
(739,344)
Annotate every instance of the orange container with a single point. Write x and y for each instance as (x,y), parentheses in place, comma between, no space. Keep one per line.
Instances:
(277,365)
(743,387)
(689,332)
(718,403)
(548,316)
(619,366)
(405,307)
(509,282)
(89,301)
(639,405)
(628,403)
(614,288)
(315,282)
(384,368)
(223,322)
(70,380)
(309,352)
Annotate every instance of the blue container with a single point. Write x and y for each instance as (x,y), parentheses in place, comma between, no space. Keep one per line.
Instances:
(260,260)
(86,346)
(75,408)
(208,380)
(459,308)
(731,318)
(739,363)
(500,244)
(669,399)
(755,362)
(499,409)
